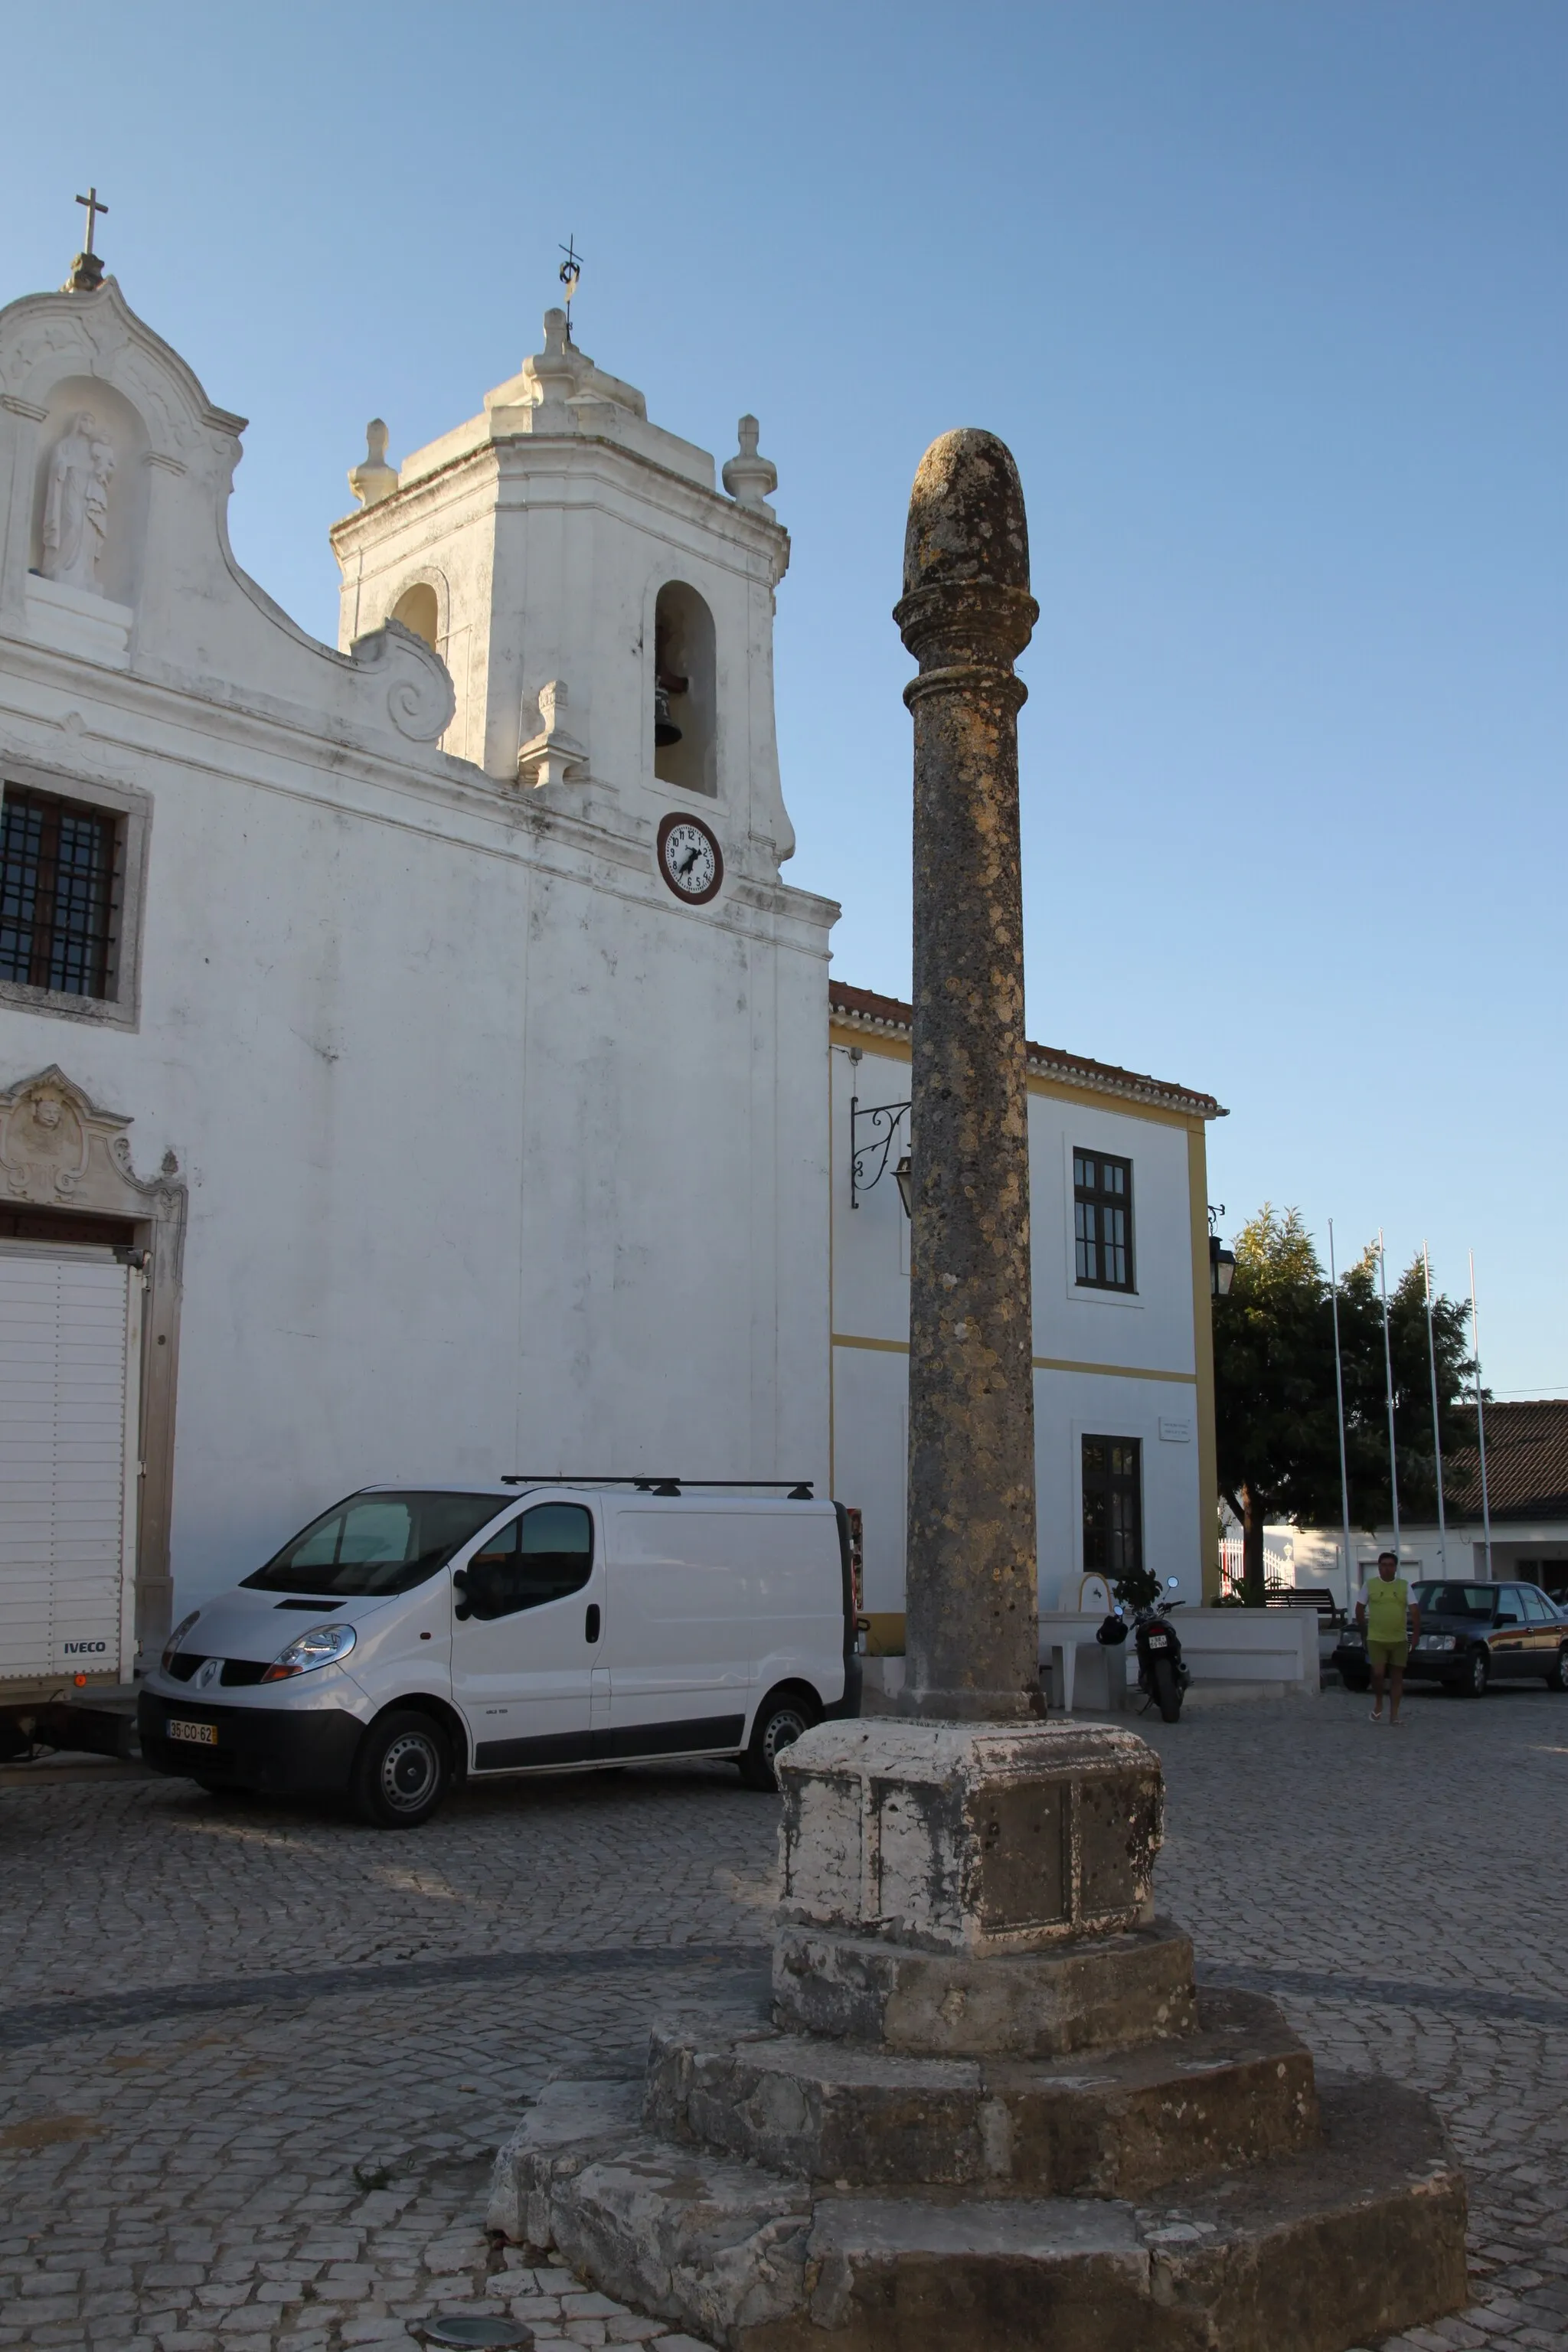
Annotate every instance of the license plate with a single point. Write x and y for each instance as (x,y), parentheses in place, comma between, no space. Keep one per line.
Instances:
(201,1735)
(1157,1642)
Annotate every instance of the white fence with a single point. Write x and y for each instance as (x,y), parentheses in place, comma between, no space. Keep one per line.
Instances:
(1278,1560)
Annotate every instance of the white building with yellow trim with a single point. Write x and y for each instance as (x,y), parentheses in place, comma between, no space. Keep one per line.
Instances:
(1125,1432)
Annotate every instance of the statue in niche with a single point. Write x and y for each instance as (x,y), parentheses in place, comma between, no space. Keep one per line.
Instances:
(75,505)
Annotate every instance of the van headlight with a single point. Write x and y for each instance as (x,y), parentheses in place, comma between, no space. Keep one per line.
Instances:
(323,1645)
(171,1646)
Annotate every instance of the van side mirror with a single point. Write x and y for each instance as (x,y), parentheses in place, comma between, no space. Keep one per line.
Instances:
(463,1609)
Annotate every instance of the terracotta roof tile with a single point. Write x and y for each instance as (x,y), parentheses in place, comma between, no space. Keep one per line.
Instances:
(863,1004)
(1527,1463)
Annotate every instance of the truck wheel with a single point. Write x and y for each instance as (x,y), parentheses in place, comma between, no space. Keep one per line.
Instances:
(780,1721)
(1167,1691)
(402,1771)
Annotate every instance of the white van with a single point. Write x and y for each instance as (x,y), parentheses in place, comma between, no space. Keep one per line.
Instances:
(410,1636)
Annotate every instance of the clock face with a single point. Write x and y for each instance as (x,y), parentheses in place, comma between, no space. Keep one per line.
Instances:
(690,859)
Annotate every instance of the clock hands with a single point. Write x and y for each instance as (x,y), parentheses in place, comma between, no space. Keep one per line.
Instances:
(689,858)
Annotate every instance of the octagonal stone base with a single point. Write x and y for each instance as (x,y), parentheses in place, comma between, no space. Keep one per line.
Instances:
(982,2104)
(1342,2243)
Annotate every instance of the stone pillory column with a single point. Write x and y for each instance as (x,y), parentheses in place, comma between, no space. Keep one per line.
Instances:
(986,2104)
(971,1611)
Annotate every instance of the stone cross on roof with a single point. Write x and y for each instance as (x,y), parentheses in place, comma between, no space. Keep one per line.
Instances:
(87,269)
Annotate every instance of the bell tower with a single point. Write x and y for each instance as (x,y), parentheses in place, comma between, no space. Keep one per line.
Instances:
(604,609)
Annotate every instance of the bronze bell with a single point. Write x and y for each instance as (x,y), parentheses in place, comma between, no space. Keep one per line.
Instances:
(665,730)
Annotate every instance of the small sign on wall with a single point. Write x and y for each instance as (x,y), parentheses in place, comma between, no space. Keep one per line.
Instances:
(1176,1433)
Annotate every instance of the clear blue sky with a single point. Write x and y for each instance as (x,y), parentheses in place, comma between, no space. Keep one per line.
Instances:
(1269,302)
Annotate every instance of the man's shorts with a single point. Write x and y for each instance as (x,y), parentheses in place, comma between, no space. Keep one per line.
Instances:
(1387,1653)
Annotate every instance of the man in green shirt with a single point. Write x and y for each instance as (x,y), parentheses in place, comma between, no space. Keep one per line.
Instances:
(1391,1624)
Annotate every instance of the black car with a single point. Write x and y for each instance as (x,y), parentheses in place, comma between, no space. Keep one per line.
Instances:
(1473,1634)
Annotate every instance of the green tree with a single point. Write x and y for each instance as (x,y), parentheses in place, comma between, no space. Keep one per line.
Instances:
(1274,1383)
(1274,1388)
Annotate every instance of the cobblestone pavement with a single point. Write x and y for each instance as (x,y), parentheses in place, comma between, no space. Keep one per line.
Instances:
(254,2060)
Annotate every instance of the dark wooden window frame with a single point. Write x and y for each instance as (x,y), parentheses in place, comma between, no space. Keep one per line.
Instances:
(60,863)
(1115,1533)
(102,987)
(1103,1222)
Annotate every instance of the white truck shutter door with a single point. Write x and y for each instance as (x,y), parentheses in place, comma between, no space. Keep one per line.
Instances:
(70,1357)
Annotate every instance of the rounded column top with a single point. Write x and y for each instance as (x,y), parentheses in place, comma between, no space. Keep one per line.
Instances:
(966,522)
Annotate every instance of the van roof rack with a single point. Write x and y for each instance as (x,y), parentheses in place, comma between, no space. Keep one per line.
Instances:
(798,1490)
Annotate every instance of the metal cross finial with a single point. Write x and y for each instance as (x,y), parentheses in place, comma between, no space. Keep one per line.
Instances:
(93,208)
(570,271)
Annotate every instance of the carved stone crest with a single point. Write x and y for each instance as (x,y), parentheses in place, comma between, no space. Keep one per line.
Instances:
(58,1149)
(43,1140)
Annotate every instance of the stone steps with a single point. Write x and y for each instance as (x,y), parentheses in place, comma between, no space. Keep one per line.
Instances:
(1348,2241)
(1091,1993)
(1107,2124)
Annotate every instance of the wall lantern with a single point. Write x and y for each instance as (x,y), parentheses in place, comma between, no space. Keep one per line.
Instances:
(1222,1261)
(902,1177)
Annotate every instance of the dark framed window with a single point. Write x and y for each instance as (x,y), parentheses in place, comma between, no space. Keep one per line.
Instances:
(1102,1219)
(1112,1506)
(546,1555)
(57,862)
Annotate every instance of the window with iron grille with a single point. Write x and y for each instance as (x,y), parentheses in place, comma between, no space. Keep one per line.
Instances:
(1102,1219)
(57,893)
(1112,1506)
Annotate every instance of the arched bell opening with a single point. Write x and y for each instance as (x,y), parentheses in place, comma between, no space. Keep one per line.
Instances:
(684,690)
(418,610)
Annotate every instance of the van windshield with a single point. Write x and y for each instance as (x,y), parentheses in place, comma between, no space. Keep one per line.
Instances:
(377,1543)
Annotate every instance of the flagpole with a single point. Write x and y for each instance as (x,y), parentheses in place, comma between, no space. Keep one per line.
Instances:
(1480,1419)
(1388,1371)
(1437,1431)
(1340,1401)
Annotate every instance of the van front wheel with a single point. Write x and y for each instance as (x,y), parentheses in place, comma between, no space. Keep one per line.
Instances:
(402,1771)
(780,1721)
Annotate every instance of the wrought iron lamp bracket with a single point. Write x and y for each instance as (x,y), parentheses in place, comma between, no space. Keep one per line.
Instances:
(869,1161)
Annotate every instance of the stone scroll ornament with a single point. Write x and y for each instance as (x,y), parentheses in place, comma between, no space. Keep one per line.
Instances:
(420,696)
(75,505)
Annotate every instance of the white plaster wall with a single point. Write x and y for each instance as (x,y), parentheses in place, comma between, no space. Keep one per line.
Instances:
(478,1158)
(1153,1326)
(1070,1406)
(871,1462)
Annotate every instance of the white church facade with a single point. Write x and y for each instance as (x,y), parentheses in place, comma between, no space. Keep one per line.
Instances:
(413,1062)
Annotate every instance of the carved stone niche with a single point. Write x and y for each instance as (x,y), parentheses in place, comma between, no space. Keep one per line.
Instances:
(88,522)
(69,1162)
